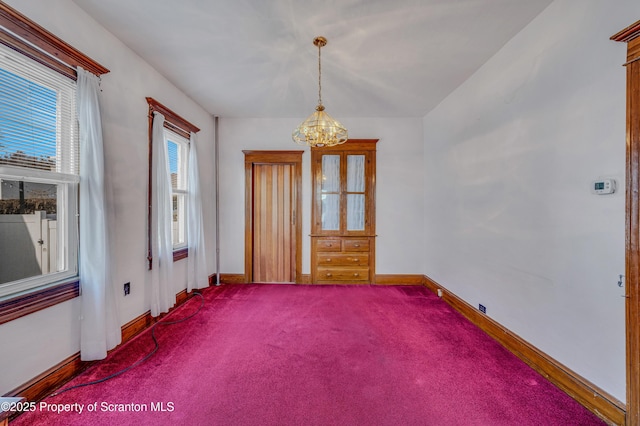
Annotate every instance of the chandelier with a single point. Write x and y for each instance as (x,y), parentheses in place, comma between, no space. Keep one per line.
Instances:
(319,129)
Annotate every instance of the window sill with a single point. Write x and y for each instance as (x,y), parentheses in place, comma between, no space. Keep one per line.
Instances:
(37,300)
(180,254)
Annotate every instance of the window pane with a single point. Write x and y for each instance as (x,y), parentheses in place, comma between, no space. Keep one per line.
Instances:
(330,173)
(178,221)
(38,189)
(38,128)
(27,123)
(173,163)
(178,153)
(28,229)
(355,173)
(330,212)
(355,212)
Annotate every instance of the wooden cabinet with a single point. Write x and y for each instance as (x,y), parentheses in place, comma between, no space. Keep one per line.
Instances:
(343,214)
(344,259)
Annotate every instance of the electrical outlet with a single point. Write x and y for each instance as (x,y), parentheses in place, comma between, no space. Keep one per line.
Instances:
(482,308)
(127,288)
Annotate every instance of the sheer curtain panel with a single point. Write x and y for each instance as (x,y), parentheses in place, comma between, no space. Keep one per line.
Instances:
(100,324)
(197,262)
(163,294)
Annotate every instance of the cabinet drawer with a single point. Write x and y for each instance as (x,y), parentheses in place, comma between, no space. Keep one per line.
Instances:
(343,274)
(356,245)
(343,259)
(326,244)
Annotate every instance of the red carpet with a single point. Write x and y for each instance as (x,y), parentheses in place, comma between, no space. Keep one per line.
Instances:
(315,355)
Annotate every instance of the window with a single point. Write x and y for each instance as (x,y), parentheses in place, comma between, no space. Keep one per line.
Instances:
(38,179)
(38,174)
(177,133)
(178,148)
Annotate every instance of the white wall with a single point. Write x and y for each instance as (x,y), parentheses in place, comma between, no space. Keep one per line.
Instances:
(37,342)
(494,205)
(399,186)
(509,156)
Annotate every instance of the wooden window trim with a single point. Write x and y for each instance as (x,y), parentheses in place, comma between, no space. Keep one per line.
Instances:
(30,39)
(37,300)
(182,127)
(172,121)
(25,36)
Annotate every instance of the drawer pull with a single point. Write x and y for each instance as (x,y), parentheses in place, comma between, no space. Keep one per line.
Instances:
(329,245)
(356,274)
(355,260)
(328,259)
(356,245)
(329,275)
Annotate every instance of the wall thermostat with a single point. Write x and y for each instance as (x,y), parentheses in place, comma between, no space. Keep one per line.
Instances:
(603,186)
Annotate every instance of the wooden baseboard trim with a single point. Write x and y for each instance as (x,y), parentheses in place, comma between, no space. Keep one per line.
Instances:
(55,377)
(305,279)
(144,321)
(604,405)
(47,382)
(136,326)
(381,279)
(232,279)
(399,279)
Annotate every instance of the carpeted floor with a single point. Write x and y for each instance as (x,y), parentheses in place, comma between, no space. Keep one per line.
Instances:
(315,355)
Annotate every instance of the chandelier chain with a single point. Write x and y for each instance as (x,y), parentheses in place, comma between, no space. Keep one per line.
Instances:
(319,76)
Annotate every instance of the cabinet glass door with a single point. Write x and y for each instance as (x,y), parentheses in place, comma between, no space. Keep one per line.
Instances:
(355,192)
(330,189)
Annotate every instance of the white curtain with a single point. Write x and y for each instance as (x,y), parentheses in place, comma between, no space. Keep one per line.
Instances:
(100,324)
(163,295)
(197,267)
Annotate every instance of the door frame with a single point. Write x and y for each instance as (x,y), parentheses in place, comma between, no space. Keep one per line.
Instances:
(293,158)
(631,36)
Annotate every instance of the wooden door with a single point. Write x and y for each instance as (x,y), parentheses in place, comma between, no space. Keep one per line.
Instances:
(273,232)
(273,224)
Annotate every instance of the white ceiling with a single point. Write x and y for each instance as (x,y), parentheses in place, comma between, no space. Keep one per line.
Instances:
(255,58)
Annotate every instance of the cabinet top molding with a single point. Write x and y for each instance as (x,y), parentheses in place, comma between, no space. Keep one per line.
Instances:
(350,144)
(628,34)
